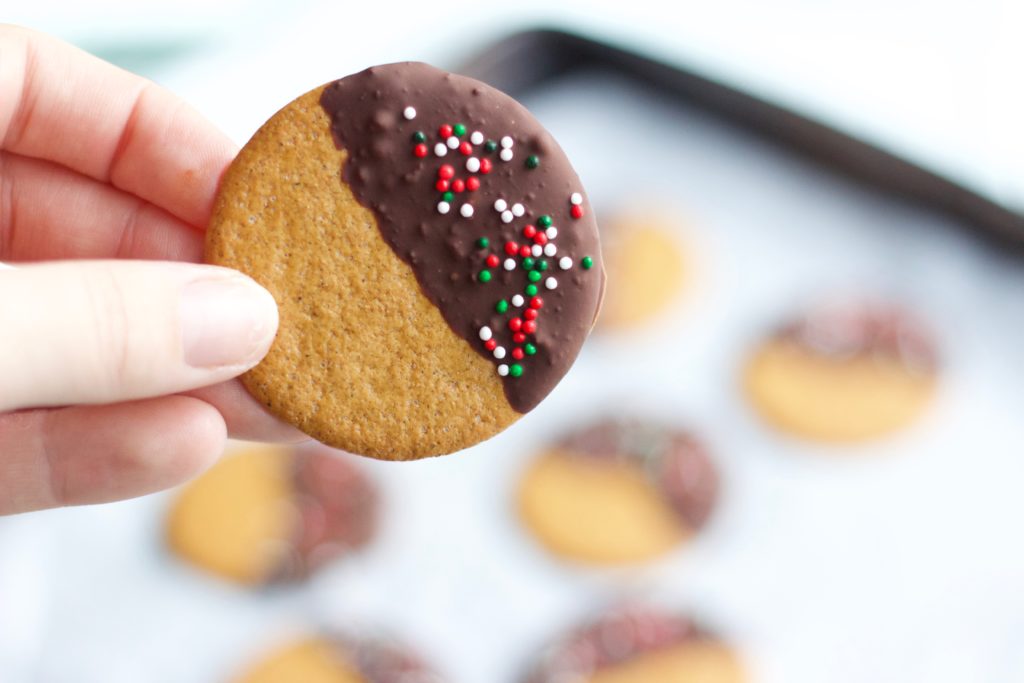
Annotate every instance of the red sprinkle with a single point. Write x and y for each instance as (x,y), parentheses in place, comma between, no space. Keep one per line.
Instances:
(491,344)
(466,148)
(517,353)
(530,314)
(515,324)
(529,231)
(420,150)
(458,185)
(445,131)
(530,326)
(492,261)
(536,302)
(472,183)
(525,251)
(518,337)
(576,211)
(446,171)
(485,165)
(541,238)
(441,185)
(511,248)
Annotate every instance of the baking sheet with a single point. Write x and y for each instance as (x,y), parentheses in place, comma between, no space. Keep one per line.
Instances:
(900,560)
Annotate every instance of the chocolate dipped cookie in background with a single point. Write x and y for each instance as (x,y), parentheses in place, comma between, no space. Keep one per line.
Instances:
(618,492)
(639,645)
(844,372)
(432,252)
(273,514)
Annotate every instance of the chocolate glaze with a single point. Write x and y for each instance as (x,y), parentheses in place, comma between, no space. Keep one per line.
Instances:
(366,113)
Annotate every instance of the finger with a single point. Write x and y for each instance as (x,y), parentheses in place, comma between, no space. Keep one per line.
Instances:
(93,454)
(64,105)
(246,418)
(110,331)
(48,212)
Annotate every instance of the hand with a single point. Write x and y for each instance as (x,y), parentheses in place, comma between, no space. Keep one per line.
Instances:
(103,359)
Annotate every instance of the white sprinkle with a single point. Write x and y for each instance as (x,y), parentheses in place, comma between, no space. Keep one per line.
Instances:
(485,333)
(565,263)
(505,155)
(518,300)
(506,142)
(550,249)
(506,216)
(518,210)
(499,352)
(551,283)
(477,137)
(551,232)
(440,150)
(453,142)
(443,207)
(537,250)
(466,210)
(500,205)
(575,199)
(409,113)
(510,264)
(472,164)
(503,370)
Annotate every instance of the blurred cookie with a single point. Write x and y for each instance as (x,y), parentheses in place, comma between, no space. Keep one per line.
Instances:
(844,373)
(618,492)
(646,268)
(337,659)
(273,514)
(432,253)
(638,645)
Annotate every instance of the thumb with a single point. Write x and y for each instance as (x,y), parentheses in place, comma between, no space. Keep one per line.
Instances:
(110,331)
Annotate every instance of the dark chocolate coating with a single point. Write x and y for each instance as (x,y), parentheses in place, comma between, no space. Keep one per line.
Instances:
(366,113)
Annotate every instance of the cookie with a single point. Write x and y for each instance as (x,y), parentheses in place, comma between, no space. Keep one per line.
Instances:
(339,659)
(646,268)
(618,492)
(432,253)
(273,514)
(844,373)
(638,645)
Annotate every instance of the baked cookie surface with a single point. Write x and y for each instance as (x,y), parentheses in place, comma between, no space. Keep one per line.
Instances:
(433,256)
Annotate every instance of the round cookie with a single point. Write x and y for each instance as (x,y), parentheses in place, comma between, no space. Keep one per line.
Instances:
(273,514)
(844,373)
(618,493)
(339,659)
(638,645)
(434,259)
(646,268)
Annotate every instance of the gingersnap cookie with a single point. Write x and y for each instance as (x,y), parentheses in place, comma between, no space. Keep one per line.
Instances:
(340,659)
(618,492)
(639,645)
(432,252)
(844,373)
(646,266)
(271,514)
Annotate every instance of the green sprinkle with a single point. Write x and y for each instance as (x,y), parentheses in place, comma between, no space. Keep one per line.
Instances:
(484,276)
(490,145)
(532,161)
(501,306)
(587,263)
(542,265)
(531,290)
(516,370)
(419,136)
(459,129)
(529,349)
(482,243)
(448,196)
(544,221)
(533,275)
(528,263)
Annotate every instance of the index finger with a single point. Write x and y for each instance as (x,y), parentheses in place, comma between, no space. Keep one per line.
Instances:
(67,106)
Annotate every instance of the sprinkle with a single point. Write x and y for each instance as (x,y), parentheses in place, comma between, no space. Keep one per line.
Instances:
(500,205)
(501,306)
(587,263)
(525,251)
(565,263)
(575,199)
(551,232)
(491,344)
(516,370)
(458,185)
(472,183)
(529,231)
(482,243)
(506,155)
(485,333)
(531,290)
(477,137)
(472,164)
(452,142)
(551,283)
(518,337)
(448,196)
(515,324)
(530,314)
(491,145)
(445,131)
(446,171)
(499,352)
(518,210)
(506,216)
(511,248)
(484,276)
(440,149)
(544,221)
(549,248)
(466,149)
(536,302)
(459,129)
(533,276)
(541,238)
(532,161)
(492,261)
(542,265)
(507,142)
(537,250)
(409,113)
(530,327)
(517,300)
(441,185)
(528,263)
(485,166)
(577,212)
(467,210)
(443,207)
(419,136)
(503,370)
(420,150)
(510,264)
(530,349)
(517,353)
